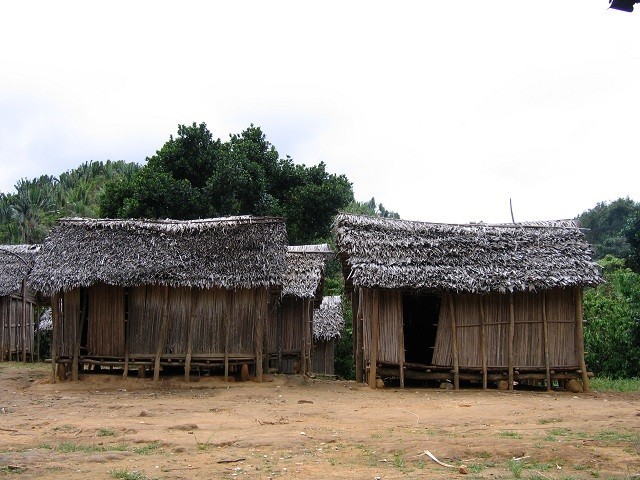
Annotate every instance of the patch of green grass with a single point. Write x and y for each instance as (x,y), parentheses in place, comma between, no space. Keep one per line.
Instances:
(515,466)
(45,446)
(11,470)
(203,445)
(510,434)
(68,447)
(147,449)
(66,428)
(615,436)
(607,384)
(125,475)
(105,432)
(398,462)
(475,467)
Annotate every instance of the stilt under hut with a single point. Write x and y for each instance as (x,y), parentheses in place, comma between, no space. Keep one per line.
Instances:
(291,323)
(17,304)
(149,294)
(476,302)
(328,322)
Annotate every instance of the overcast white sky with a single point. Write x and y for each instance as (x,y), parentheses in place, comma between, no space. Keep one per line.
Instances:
(441,110)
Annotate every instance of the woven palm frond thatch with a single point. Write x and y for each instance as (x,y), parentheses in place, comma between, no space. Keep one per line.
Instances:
(16,261)
(328,320)
(305,270)
(231,252)
(475,258)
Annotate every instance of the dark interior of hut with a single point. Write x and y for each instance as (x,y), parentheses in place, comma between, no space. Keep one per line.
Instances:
(420,323)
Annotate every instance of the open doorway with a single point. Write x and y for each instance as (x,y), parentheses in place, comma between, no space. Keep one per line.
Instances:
(420,324)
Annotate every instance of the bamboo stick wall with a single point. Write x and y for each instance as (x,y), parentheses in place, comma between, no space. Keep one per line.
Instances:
(389,323)
(16,336)
(293,312)
(201,315)
(528,332)
(105,323)
(528,328)
(322,359)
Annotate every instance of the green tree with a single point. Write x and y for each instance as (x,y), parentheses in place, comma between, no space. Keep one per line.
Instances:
(612,331)
(195,176)
(371,208)
(606,225)
(632,234)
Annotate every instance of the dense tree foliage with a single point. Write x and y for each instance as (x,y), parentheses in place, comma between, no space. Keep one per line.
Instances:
(194,175)
(610,230)
(27,214)
(371,208)
(612,331)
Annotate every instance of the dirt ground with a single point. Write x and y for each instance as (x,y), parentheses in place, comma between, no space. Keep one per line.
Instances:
(105,427)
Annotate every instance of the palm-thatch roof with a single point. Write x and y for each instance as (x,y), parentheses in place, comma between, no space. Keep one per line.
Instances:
(328,320)
(16,261)
(231,252)
(476,258)
(305,270)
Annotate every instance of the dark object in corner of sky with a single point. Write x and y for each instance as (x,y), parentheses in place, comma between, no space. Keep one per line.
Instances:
(624,5)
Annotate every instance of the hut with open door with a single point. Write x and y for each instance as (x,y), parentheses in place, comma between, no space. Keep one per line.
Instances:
(17,303)
(328,322)
(473,302)
(150,294)
(291,323)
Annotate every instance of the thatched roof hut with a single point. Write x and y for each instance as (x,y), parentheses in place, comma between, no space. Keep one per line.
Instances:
(290,326)
(17,302)
(16,261)
(230,252)
(452,276)
(161,292)
(328,322)
(328,319)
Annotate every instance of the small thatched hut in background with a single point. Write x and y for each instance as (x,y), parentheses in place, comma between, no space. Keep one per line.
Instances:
(160,293)
(17,302)
(328,322)
(290,327)
(489,302)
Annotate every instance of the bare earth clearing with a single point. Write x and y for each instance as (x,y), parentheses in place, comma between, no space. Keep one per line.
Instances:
(105,427)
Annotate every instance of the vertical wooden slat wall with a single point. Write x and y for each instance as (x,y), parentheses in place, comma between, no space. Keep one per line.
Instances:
(145,315)
(105,323)
(528,342)
(179,314)
(70,314)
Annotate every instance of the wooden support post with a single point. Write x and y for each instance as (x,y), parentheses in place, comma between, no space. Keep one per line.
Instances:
(454,345)
(279,338)
(259,340)
(545,332)
(358,319)
(227,327)
(373,345)
(483,339)
(55,301)
(164,332)
(512,325)
(126,303)
(190,325)
(401,344)
(24,321)
(77,334)
(3,317)
(303,344)
(580,339)
(309,337)
(10,330)
(36,320)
